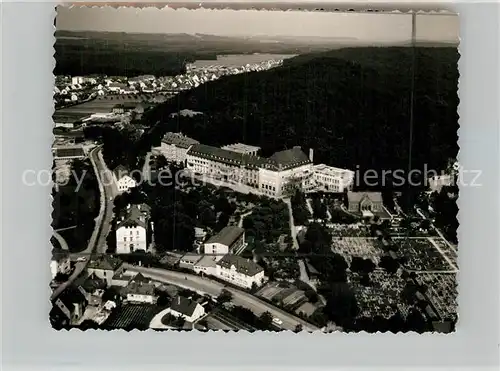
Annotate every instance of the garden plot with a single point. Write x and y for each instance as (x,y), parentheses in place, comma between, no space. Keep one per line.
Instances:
(270,290)
(382,297)
(348,230)
(449,251)
(442,292)
(350,247)
(422,255)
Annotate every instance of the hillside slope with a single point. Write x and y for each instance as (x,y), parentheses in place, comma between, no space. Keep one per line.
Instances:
(351,105)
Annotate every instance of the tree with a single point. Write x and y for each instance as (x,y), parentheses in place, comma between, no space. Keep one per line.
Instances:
(311,296)
(266,318)
(224,297)
(389,264)
(298,328)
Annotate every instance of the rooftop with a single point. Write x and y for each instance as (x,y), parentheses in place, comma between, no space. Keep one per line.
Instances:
(179,140)
(242,265)
(358,196)
(183,305)
(135,215)
(241,148)
(289,158)
(207,261)
(74,151)
(104,262)
(332,171)
(120,171)
(225,156)
(227,236)
(140,288)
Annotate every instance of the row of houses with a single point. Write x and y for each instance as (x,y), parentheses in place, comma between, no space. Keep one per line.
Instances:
(274,176)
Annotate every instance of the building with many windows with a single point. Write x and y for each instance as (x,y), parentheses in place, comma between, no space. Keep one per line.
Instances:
(240,271)
(133,229)
(332,179)
(174,146)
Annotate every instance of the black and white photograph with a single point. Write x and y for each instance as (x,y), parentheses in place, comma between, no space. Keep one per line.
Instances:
(255,170)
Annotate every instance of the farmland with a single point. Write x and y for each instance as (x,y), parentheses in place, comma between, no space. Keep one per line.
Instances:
(422,255)
(132,316)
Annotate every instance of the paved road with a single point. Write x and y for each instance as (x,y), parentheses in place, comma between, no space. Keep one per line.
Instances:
(213,288)
(61,240)
(96,235)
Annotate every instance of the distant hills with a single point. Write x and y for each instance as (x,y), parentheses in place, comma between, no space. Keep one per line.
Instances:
(351,105)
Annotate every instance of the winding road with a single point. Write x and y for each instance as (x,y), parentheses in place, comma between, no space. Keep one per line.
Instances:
(97,240)
(214,288)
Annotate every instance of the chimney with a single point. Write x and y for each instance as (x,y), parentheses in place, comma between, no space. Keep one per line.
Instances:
(311,154)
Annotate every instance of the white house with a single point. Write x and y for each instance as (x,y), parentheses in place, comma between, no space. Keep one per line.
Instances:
(174,146)
(76,80)
(332,179)
(123,180)
(141,292)
(240,271)
(229,239)
(132,230)
(60,262)
(186,308)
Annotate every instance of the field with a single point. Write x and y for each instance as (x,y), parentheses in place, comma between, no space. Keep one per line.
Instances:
(238,60)
(350,247)
(382,297)
(132,317)
(348,230)
(441,291)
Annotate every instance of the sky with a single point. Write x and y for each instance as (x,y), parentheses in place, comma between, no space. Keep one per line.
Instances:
(364,27)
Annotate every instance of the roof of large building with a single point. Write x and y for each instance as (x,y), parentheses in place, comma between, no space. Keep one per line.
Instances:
(178,140)
(242,265)
(225,156)
(241,148)
(183,305)
(104,262)
(76,151)
(227,236)
(358,196)
(289,158)
(135,215)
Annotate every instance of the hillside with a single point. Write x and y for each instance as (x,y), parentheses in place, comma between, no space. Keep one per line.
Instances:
(351,105)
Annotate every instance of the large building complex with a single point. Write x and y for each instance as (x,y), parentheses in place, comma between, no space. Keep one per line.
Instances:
(275,176)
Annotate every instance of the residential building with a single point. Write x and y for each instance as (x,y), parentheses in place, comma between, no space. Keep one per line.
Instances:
(123,180)
(69,306)
(124,278)
(186,308)
(141,292)
(105,267)
(77,80)
(206,265)
(332,179)
(240,271)
(132,230)
(174,146)
(116,87)
(242,148)
(229,239)
(68,153)
(60,262)
(365,203)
